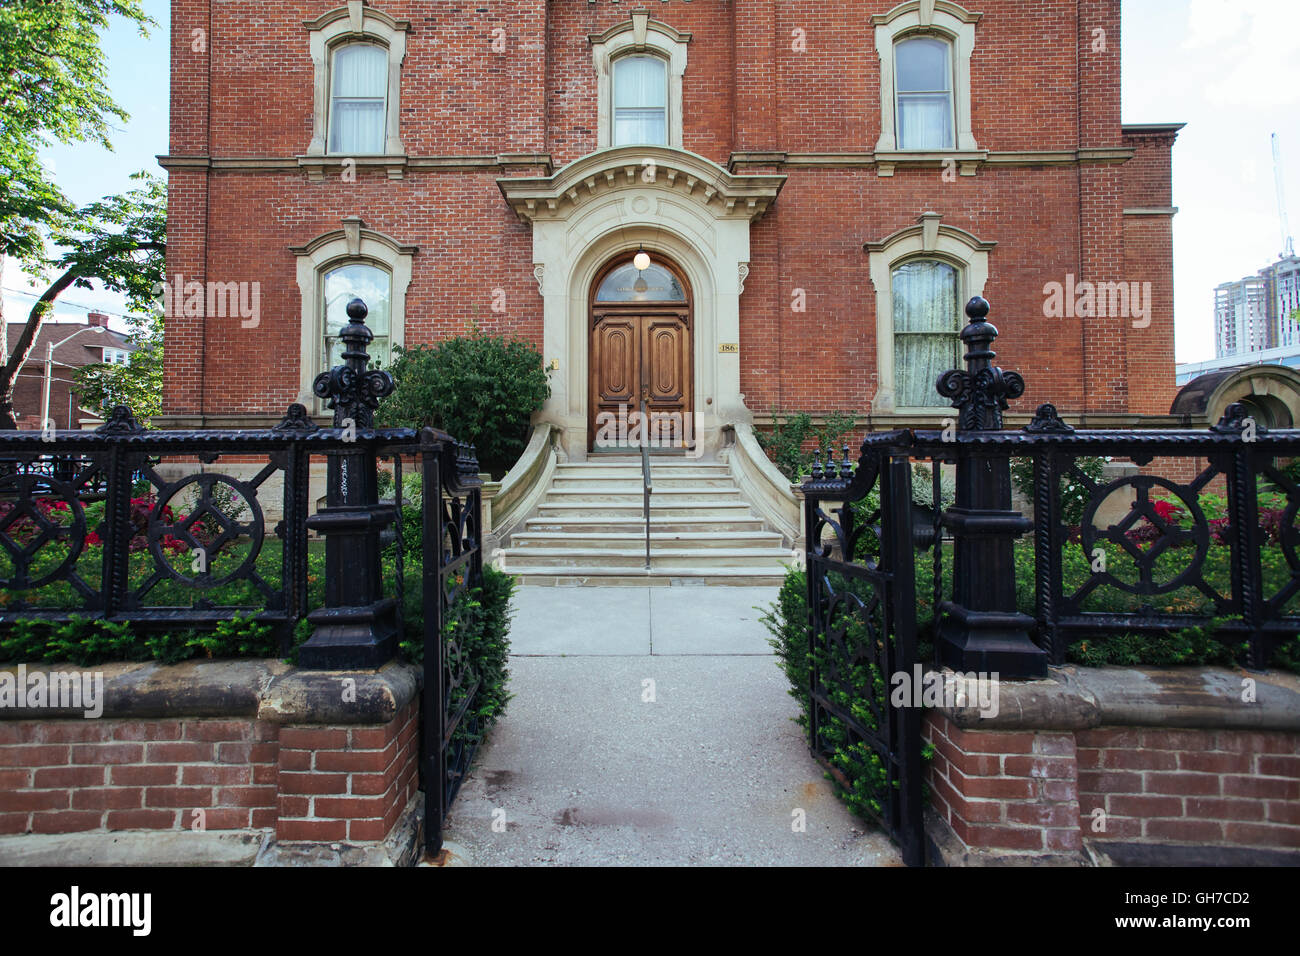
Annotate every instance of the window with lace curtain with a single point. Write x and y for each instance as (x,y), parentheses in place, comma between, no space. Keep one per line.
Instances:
(927,326)
(640,101)
(358,99)
(925,52)
(356,54)
(923,82)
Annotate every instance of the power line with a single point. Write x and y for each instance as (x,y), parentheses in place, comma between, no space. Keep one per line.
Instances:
(75,305)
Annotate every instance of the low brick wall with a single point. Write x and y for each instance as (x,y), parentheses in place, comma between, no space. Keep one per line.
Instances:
(1130,765)
(253,747)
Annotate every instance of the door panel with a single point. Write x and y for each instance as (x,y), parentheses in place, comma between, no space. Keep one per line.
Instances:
(631,350)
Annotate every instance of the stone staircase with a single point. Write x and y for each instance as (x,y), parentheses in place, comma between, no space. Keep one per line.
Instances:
(589,528)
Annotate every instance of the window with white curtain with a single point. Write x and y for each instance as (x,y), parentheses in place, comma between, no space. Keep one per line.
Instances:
(927,327)
(923,81)
(640,101)
(358,99)
(373,286)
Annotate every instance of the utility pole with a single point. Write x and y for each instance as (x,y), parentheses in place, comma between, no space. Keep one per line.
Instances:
(1288,246)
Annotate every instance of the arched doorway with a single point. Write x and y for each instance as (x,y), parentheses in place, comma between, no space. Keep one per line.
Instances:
(641,330)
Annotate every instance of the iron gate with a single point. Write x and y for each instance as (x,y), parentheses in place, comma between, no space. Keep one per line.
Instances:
(453,567)
(862,617)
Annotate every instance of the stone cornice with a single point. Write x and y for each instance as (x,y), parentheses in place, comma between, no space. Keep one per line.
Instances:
(967,161)
(727,195)
(501,162)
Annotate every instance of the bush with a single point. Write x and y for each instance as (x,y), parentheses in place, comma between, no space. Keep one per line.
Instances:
(479,622)
(1074,494)
(785,442)
(86,642)
(860,778)
(481,389)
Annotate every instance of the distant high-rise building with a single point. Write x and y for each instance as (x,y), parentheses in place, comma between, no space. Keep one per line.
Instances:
(1284,295)
(1241,317)
(1259,311)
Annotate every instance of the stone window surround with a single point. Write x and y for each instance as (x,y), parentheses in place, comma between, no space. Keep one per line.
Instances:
(928,239)
(352,23)
(947,21)
(353,243)
(639,34)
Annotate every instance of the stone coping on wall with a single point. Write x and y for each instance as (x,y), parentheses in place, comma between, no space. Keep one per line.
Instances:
(1079,698)
(267,690)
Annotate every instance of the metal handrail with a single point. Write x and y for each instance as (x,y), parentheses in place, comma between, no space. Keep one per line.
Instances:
(645,476)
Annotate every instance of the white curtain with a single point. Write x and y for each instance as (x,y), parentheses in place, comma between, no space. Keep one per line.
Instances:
(371,285)
(923,80)
(927,320)
(640,101)
(360,92)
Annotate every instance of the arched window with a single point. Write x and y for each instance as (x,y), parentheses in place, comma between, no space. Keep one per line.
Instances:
(640,112)
(341,284)
(358,99)
(628,284)
(923,81)
(927,326)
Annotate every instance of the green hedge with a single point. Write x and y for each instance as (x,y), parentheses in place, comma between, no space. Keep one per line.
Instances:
(860,779)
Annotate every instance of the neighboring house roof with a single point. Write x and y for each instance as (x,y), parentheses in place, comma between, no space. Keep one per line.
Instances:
(75,344)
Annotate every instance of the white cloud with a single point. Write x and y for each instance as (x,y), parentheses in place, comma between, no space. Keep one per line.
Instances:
(1211,22)
(1254,47)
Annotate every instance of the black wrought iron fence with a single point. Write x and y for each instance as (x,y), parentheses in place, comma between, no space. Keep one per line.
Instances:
(1197,534)
(186,529)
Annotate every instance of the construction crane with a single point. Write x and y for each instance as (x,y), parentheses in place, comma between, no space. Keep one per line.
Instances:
(1288,246)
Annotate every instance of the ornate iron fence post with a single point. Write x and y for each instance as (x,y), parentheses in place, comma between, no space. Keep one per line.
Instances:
(980,628)
(357,627)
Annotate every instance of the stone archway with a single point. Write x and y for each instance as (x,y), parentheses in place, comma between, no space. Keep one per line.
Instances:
(1271,393)
(667,201)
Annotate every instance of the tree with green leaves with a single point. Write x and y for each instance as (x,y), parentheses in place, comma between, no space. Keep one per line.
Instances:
(120,242)
(138,383)
(52,87)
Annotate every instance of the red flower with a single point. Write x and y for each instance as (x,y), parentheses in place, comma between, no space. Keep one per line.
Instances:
(1167,510)
(92,538)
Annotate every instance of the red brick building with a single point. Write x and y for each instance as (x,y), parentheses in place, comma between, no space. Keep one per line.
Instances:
(820,186)
(75,345)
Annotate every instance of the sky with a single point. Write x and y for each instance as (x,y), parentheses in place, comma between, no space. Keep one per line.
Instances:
(1229,69)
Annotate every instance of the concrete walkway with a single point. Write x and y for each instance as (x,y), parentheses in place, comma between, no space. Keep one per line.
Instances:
(650,726)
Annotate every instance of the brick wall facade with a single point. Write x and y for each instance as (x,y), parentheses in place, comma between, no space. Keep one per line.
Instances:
(242,112)
(306,783)
(1029,792)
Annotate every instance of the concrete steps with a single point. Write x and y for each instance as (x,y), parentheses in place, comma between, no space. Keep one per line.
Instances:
(589,529)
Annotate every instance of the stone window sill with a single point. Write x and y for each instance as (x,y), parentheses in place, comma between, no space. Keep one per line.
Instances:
(318,167)
(968,160)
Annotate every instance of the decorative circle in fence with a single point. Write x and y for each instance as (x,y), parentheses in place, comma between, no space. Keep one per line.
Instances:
(31,520)
(1169,533)
(207,509)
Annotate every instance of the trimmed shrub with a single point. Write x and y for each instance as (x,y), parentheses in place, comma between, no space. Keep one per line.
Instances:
(481,389)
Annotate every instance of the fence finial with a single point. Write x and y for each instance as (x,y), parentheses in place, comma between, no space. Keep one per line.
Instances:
(981,390)
(353,388)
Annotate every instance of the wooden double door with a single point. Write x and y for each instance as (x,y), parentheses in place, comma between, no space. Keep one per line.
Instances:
(636,349)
